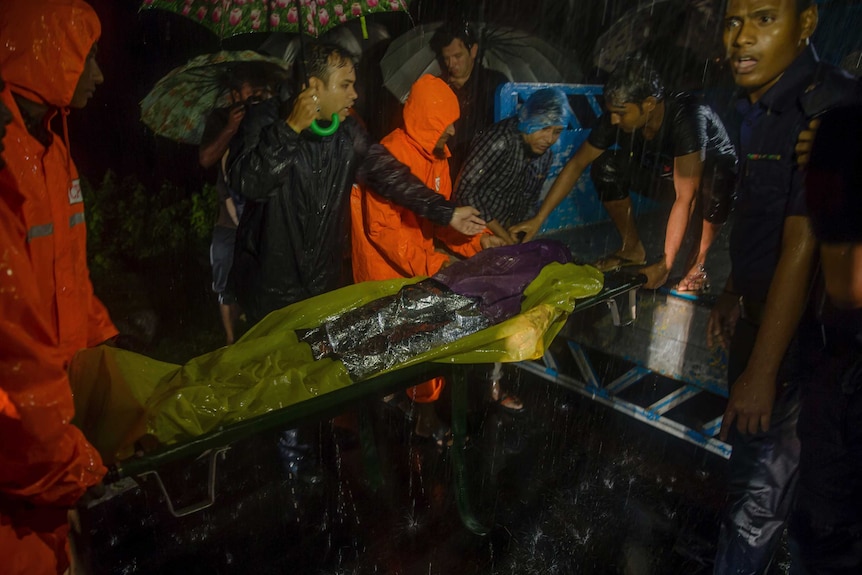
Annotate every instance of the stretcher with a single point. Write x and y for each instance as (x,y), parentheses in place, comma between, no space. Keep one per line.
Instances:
(114,412)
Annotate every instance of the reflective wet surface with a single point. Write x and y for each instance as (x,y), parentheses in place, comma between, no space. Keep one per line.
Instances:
(566,486)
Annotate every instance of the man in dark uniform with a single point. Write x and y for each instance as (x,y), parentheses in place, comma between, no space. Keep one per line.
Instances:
(772,251)
(475,86)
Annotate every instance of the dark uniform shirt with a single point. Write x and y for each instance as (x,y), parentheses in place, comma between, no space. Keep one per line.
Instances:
(476,101)
(502,178)
(770,184)
(688,126)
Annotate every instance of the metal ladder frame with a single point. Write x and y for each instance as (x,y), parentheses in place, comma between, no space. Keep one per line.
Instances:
(590,385)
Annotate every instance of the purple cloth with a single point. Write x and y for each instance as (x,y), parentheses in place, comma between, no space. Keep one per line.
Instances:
(498,276)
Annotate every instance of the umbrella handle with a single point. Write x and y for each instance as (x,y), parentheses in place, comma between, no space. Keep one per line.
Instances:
(315,127)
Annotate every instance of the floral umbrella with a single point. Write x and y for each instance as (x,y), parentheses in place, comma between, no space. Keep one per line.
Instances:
(228,18)
(178,105)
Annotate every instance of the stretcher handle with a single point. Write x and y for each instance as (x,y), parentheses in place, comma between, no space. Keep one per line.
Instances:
(201,505)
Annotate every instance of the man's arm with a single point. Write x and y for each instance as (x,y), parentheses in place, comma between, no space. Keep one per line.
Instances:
(687,172)
(261,161)
(44,459)
(752,395)
(561,187)
(393,180)
(211,151)
(842,273)
(501,233)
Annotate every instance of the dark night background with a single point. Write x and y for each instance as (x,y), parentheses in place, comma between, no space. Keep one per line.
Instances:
(138,48)
(172,281)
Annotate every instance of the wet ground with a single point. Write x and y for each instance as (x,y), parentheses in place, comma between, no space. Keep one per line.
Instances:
(567,486)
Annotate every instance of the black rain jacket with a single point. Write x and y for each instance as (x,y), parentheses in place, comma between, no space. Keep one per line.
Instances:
(292,239)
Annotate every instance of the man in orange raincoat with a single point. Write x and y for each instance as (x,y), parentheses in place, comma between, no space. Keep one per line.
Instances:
(47,307)
(390,241)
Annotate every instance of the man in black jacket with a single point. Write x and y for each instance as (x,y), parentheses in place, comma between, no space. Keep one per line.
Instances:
(473,84)
(292,238)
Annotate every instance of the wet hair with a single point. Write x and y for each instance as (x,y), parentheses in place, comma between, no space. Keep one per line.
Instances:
(450,32)
(633,81)
(320,59)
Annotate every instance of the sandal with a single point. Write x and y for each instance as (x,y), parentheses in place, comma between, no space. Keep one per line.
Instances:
(505,401)
(616,262)
(694,284)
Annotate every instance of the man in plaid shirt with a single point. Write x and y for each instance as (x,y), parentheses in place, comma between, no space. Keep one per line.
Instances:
(508,162)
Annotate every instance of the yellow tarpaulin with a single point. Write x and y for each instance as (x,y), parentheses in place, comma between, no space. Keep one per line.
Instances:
(120,395)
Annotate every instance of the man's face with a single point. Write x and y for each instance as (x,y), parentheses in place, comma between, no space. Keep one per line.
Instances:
(459,60)
(247,91)
(5,118)
(762,38)
(540,140)
(440,146)
(628,117)
(338,94)
(90,78)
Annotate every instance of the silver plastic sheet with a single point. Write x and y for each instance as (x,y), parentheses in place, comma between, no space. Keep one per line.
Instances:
(396,328)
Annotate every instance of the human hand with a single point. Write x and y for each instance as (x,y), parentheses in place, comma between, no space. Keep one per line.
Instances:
(466,220)
(235,116)
(306,109)
(749,404)
(656,274)
(805,142)
(722,321)
(448,262)
(488,241)
(529,228)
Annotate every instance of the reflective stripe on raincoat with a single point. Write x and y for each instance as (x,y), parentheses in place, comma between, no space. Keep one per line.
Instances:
(42,62)
(47,307)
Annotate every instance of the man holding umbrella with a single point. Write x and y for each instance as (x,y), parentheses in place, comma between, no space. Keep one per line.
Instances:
(249,83)
(456,48)
(292,238)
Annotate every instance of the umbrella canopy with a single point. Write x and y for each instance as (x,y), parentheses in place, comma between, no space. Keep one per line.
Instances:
(349,37)
(228,18)
(655,26)
(520,56)
(178,105)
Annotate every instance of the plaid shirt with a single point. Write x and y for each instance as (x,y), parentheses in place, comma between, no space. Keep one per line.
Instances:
(501,177)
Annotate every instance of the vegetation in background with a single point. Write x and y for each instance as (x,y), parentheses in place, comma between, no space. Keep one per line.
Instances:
(148,251)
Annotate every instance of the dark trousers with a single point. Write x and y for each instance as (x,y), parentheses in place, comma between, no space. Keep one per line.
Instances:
(827,517)
(615,174)
(763,469)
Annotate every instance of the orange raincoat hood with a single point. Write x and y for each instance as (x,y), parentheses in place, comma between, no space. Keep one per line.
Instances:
(431,107)
(44,47)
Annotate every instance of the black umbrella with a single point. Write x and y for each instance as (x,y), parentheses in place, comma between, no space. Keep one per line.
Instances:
(662,29)
(519,56)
